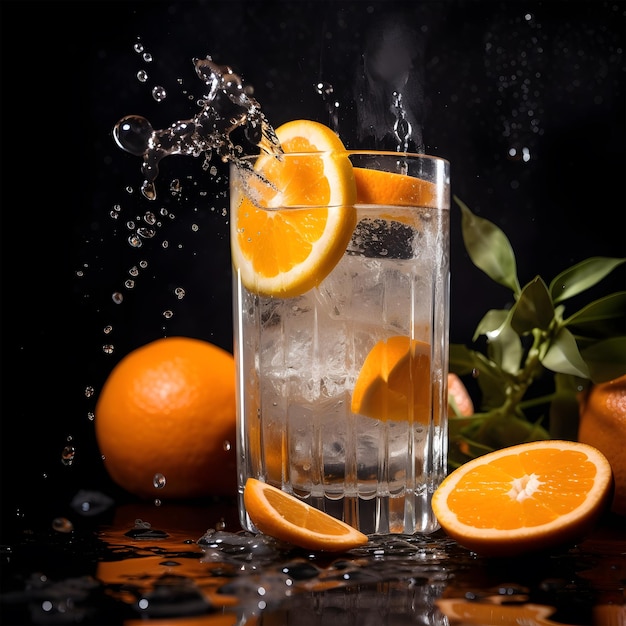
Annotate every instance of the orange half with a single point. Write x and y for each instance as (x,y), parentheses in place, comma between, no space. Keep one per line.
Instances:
(283,516)
(525,497)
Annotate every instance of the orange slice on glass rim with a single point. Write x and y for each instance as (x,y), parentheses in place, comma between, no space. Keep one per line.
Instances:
(524,498)
(285,252)
(285,517)
(394,381)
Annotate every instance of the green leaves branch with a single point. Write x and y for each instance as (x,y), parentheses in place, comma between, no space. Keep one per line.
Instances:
(521,344)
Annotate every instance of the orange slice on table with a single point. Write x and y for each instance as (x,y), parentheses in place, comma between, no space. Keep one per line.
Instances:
(283,516)
(394,381)
(523,498)
(286,252)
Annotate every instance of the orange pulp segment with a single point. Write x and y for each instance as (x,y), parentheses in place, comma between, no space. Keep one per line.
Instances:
(283,516)
(280,251)
(389,188)
(524,497)
(394,381)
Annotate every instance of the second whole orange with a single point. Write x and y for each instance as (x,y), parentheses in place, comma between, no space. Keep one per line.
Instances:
(602,424)
(165,420)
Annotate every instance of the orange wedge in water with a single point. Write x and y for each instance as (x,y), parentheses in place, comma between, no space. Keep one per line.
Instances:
(523,498)
(279,251)
(394,381)
(283,516)
(379,187)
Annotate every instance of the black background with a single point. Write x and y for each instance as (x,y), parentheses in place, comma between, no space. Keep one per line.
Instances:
(69,73)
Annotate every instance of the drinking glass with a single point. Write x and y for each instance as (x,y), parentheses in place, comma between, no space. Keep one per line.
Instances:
(374,460)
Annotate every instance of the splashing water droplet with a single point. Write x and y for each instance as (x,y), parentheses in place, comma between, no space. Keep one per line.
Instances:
(67,455)
(159,93)
(159,481)
(210,130)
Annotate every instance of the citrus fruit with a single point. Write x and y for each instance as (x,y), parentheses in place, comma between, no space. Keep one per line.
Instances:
(283,516)
(602,410)
(459,401)
(165,420)
(394,381)
(389,188)
(285,252)
(525,497)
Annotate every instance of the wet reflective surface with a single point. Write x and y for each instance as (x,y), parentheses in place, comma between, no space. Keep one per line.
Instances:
(190,564)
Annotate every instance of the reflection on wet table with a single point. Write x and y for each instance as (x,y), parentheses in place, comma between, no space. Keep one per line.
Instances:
(187,565)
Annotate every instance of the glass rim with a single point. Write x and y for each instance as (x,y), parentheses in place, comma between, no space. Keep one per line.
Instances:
(348,152)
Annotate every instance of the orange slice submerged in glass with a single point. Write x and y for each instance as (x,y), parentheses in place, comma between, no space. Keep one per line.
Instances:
(394,381)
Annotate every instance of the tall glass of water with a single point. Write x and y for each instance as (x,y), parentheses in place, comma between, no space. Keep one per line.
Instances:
(342,366)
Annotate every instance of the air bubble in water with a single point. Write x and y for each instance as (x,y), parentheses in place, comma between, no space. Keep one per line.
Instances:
(142,76)
(168,314)
(179,292)
(89,391)
(117,297)
(108,348)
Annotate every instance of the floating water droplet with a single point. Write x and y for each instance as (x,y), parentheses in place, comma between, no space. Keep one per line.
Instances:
(179,292)
(91,416)
(147,57)
(129,284)
(108,348)
(135,241)
(134,271)
(89,391)
(107,329)
(227,445)
(117,297)
(138,48)
(159,93)
(168,314)
(142,76)
(67,455)
(159,481)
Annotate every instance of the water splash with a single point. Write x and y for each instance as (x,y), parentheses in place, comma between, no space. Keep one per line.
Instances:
(227,107)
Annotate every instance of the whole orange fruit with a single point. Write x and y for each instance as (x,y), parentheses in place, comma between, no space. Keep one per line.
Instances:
(602,424)
(165,420)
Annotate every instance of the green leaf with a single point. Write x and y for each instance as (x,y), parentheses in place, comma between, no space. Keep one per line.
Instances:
(533,309)
(601,318)
(489,248)
(563,355)
(606,359)
(504,345)
(582,276)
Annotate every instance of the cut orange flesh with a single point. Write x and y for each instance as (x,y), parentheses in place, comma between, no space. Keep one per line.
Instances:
(284,517)
(526,497)
(394,381)
(291,225)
